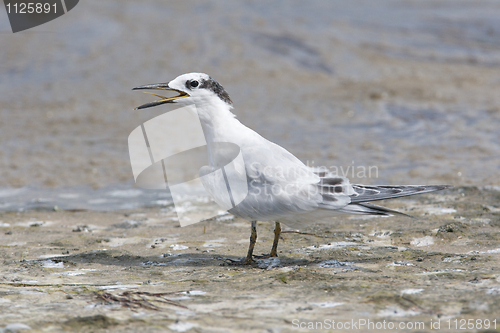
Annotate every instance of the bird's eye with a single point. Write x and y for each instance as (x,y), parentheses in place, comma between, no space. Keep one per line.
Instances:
(194,83)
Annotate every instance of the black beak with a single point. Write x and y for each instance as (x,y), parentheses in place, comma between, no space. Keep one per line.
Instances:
(162,100)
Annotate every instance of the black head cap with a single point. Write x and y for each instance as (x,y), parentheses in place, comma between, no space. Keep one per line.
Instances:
(212,85)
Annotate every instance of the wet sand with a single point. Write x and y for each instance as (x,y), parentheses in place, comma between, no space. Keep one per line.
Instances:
(138,270)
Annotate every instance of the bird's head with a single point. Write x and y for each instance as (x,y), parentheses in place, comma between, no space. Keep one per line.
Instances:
(192,88)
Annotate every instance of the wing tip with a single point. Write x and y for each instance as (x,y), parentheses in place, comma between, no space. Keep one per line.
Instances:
(385,191)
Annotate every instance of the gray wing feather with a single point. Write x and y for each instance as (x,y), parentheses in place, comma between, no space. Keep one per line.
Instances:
(365,193)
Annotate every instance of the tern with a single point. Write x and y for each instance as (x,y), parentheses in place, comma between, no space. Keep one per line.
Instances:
(281,188)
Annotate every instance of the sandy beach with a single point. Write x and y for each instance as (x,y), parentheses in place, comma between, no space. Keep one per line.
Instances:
(138,270)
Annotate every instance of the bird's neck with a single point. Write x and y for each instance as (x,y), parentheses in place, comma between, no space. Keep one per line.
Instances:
(217,121)
(220,125)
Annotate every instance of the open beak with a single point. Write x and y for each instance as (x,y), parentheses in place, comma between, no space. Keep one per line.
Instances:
(162,100)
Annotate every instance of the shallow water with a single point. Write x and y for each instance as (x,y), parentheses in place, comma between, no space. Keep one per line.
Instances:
(83,198)
(410,88)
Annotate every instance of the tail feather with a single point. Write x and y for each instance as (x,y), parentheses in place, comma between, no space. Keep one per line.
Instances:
(366,208)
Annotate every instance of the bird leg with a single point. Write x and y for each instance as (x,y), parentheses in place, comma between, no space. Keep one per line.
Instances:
(253,240)
(249,258)
(277,234)
(274,250)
